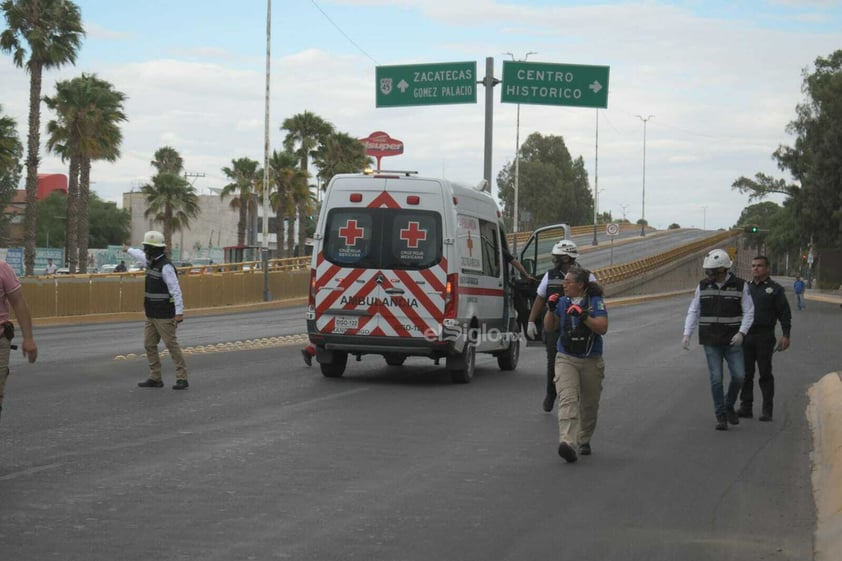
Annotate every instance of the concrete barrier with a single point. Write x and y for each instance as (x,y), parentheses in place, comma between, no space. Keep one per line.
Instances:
(825,416)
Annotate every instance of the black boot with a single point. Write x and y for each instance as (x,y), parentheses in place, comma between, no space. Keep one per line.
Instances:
(745,411)
(767,413)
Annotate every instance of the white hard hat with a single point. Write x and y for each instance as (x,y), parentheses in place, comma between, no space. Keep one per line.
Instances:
(154,238)
(716,259)
(566,247)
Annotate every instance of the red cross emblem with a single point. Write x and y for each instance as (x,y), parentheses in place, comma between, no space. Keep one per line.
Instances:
(413,234)
(351,232)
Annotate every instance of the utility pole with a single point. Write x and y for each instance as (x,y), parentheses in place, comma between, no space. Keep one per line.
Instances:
(267,296)
(517,163)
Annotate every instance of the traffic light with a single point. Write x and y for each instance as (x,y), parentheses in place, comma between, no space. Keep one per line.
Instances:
(751,229)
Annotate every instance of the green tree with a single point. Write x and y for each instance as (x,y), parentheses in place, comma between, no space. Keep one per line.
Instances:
(170,198)
(552,187)
(306,132)
(245,175)
(339,153)
(40,34)
(88,112)
(11,152)
(109,225)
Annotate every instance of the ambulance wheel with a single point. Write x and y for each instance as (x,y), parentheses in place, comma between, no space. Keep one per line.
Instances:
(336,367)
(508,359)
(395,359)
(462,366)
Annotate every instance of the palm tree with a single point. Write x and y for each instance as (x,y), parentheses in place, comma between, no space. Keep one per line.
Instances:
(339,153)
(11,152)
(245,174)
(286,181)
(52,30)
(88,111)
(168,160)
(306,131)
(172,201)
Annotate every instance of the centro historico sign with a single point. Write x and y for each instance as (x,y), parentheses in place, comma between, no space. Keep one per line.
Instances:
(426,84)
(540,83)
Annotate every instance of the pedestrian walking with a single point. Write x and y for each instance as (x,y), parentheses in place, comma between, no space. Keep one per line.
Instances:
(11,293)
(770,307)
(164,309)
(564,255)
(798,287)
(723,311)
(581,319)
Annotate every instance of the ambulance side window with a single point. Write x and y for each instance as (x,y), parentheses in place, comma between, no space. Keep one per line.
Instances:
(411,239)
(349,237)
(490,249)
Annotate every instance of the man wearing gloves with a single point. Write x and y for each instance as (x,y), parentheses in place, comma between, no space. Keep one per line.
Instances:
(564,255)
(164,309)
(723,310)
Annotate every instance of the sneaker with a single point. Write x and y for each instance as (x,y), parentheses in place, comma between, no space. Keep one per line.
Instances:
(567,452)
(766,416)
(548,403)
(585,449)
(731,416)
(308,358)
(721,422)
(150,383)
(745,412)
(181,385)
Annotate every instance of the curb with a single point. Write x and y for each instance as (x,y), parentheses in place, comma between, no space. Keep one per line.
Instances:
(824,414)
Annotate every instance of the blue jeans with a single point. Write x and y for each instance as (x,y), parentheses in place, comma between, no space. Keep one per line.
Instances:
(799,300)
(736,367)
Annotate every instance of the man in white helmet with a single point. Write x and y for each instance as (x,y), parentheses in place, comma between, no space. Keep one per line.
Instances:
(164,307)
(723,310)
(564,254)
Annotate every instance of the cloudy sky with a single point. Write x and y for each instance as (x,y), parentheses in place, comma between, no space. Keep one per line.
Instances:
(721,80)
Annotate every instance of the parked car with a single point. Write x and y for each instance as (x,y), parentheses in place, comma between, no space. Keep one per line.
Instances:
(108,268)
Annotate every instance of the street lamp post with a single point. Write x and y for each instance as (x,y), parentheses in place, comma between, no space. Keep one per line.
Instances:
(643,198)
(704,217)
(596,180)
(264,261)
(517,163)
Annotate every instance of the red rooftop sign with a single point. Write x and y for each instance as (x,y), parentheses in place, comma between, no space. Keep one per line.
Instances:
(380,144)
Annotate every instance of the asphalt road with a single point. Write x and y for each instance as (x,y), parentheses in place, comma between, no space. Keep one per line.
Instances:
(263,458)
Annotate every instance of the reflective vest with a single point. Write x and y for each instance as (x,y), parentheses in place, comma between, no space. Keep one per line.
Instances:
(721,311)
(157,301)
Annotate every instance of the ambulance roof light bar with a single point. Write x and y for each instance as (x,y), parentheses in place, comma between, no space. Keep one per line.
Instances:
(407,173)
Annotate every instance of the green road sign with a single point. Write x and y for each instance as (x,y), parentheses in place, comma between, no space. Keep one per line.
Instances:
(427,84)
(540,83)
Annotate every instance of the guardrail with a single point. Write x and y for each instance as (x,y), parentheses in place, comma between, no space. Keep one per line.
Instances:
(522,237)
(617,273)
(232,284)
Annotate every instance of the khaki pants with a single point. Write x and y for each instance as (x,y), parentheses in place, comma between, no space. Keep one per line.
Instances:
(5,349)
(578,382)
(156,330)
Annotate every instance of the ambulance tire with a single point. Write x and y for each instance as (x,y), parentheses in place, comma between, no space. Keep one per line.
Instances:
(508,359)
(335,368)
(395,359)
(462,366)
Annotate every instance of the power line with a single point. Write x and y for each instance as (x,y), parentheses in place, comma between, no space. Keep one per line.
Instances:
(339,29)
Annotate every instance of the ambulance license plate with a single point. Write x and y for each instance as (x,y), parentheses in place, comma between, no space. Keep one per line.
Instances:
(346,323)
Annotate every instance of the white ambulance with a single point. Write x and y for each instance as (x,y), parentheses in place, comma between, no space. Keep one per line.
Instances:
(410,266)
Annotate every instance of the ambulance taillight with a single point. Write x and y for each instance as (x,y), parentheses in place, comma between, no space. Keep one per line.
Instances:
(451,296)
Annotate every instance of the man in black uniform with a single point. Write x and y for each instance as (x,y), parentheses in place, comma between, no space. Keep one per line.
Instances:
(770,307)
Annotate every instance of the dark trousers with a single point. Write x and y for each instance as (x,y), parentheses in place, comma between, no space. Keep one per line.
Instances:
(758,348)
(551,344)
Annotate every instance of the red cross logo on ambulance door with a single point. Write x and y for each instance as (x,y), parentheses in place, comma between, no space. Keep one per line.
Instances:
(413,234)
(351,232)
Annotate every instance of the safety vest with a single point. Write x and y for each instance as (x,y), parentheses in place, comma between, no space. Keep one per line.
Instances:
(158,302)
(555,282)
(721,311)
